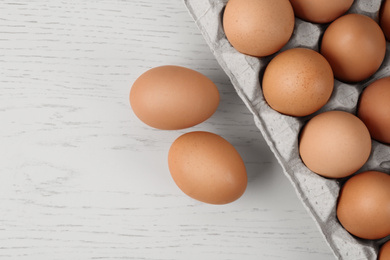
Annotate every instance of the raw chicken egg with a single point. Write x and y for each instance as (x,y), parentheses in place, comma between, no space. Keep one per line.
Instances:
(384,252)
(364,205)
(207,167)
(335,144)
(355,47)
(374,109)
(298,82)
(173,97)
(384,18)
(258,27)
(320,11)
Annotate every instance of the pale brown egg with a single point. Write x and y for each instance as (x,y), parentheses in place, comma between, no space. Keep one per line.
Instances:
(258,27)
(384,252)
(363,207)
(355,47)
(374,109)
(173,97)
(207,167)
(298,82)
(335,144)
(320,11)
(384,18)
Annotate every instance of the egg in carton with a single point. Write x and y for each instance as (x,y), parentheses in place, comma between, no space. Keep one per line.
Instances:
(318,194)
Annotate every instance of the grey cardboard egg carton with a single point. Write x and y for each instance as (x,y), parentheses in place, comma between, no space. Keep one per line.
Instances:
(319,195)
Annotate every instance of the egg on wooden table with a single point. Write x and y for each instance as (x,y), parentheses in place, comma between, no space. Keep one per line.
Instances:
(173,97)
(206,167)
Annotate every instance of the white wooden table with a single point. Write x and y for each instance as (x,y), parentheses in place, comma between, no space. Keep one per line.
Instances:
(82,178)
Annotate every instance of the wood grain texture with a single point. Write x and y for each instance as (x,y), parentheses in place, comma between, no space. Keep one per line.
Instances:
(82,178)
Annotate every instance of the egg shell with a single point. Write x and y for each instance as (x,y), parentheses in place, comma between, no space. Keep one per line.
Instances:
(173,97)
(364,205)
(258,27)
(207,167)
(298,82)
(374,109)
(320,11)
(384,252)
(355,47)
(334,144)
(384,18)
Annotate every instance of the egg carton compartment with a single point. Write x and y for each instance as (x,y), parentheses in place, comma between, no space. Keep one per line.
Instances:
(318,194)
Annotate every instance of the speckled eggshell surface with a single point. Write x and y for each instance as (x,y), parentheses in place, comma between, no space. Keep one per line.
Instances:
(298,82)
(318,194)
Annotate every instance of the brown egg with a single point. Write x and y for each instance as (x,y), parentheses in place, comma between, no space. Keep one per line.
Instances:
(173,97)
(334,144)
(384,18)
(258,27)
(355,47)
(207,168)
(298,82)
(320,11)
(384,252)
(364,205)
(374,109)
